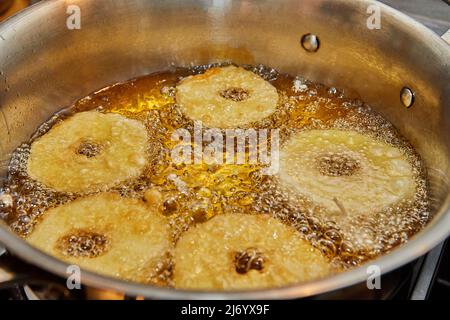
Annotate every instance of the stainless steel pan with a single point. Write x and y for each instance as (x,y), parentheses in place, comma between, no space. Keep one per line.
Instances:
(45,66)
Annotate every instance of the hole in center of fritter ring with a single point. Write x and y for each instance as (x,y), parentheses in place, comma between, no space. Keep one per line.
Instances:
(236,94)
(337,165)
(89,148)
(83,244)
(247,260)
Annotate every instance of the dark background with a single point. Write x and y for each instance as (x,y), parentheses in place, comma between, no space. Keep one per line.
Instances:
(435,14)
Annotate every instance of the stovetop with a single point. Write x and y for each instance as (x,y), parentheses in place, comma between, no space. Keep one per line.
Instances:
(427,277)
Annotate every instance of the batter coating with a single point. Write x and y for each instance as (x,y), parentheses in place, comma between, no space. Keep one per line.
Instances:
(89,151)
(346,172)
(107,234)
(226,97)
(242,251)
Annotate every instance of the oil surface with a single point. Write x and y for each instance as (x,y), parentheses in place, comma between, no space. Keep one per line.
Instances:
(190,194)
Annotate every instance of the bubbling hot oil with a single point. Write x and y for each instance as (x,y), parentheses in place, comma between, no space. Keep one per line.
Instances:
(194,193)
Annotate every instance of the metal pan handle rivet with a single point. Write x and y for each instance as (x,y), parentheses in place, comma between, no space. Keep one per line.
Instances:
(407,97)
(310,42)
